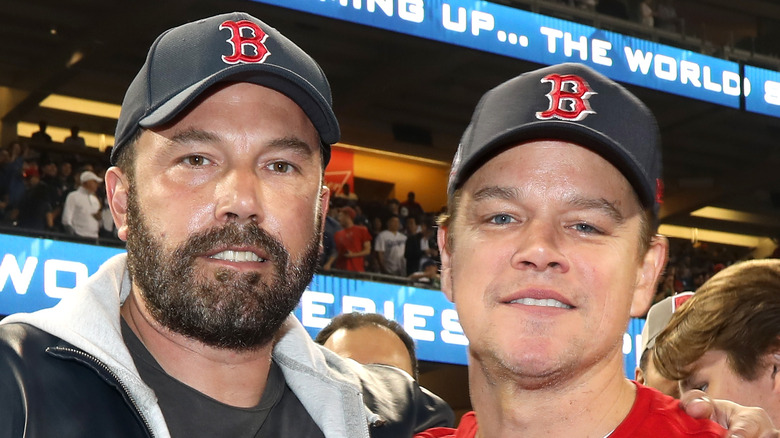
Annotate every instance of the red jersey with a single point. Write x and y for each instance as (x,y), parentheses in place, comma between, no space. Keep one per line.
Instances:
(653,415)
(351,239)
(467,428)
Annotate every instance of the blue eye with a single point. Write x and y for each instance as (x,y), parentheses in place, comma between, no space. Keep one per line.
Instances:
(501,219)
(585,228)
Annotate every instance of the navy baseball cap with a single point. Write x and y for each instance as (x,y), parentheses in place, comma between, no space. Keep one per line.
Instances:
(187,60)
(569,102)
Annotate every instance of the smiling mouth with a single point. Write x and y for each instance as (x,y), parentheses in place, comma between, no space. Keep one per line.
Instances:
(238,256)
(549,302)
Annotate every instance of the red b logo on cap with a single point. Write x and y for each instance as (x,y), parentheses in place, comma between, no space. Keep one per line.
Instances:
(241,43)
(568,98)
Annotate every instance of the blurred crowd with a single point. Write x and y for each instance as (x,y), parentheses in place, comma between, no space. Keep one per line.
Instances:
(391,238)
(35,187)
(693,263)
(395,238)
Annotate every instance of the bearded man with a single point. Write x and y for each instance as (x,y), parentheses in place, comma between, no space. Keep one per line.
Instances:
(218,190)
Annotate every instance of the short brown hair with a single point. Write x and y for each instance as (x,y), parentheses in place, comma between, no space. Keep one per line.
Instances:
(126,155)
(737,311)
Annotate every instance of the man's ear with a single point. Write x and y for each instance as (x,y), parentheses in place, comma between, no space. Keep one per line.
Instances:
(639,376)
(117,187)
(446,262)
(324,202)
(774,362)
(649,271)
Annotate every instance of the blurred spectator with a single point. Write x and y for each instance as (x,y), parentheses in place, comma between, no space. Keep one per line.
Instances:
(416,246)
(393,207)
(35,211)
(5,160)
(49,178)
(40,137)
(725,340)
(86,167)
(376,225)
(370,338)
(414,209)
(588,5)
(14,174)
(107,227)
(646,13)
(428,276)
(428,230)
(666,16)
(49,171)
(328,243)
(360,218)
(390,245)
(657,318)
(75,139)
(66,182)
(347,193)
(353,243)
(372,261)
(81,214)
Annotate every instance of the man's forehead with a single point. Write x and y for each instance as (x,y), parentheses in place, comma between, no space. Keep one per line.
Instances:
(564,151)
(485,183)
(193,124)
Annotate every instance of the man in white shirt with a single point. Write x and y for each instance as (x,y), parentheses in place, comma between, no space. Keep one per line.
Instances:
(81,214)
(390,245)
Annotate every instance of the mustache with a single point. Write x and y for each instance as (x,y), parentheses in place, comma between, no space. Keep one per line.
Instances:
(232,234)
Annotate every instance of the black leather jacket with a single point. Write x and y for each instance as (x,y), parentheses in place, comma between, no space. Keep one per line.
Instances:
(48,388)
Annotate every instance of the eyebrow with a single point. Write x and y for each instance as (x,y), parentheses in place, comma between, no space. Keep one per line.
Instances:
(298,146)
(195,135)
(600,204)
(496,192)
(576,201)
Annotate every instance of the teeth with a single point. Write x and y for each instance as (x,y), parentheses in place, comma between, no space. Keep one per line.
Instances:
(549,302)
(237,256)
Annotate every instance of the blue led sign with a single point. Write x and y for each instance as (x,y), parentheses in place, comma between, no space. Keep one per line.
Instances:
(513,32)
(765,97)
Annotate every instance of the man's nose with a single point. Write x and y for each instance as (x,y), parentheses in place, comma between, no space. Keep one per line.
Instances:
(539,248)
(239,196)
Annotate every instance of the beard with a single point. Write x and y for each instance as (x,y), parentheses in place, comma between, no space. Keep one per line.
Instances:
(232,310)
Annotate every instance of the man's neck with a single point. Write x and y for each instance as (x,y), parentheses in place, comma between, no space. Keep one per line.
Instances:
(588,406)
(234,378)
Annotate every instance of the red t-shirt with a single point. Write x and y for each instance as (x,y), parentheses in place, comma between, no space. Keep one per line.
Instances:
(351,239)
(467,428)
(653,415)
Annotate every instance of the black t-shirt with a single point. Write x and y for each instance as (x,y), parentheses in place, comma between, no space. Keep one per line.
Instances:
(190,413)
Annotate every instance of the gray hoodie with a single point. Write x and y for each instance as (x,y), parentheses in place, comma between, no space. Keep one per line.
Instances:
(329,387)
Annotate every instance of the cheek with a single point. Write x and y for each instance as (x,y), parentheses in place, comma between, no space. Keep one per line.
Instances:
(294,220)
(612,270)
(477,268)
(180,213)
